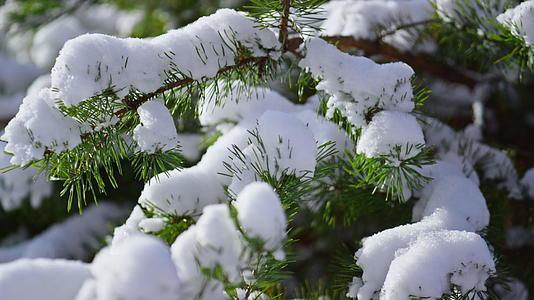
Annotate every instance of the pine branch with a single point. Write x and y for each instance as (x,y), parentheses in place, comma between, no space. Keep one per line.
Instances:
(419,62)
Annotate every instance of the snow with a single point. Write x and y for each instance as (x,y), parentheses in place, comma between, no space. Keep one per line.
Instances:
(493,164)
(182,191)
(20,184)
(451,206)
(198,51)
(357,84)
(212,161)
(285,146)
(152,224)
(520,20)
(190,145)
(218,241)
(458,195)
(379,250)
(261,215)
(325,131)
(512,290)
(92,63)
(240,103)
(38,127)
(15,76)
(108,19)
(388,129)
(528,183)
(450,10)
(435,261)
(130,226)
(49,39)
(157,130)
(139,268)
(74,238)
(29,279)
(366,19)
(213,241)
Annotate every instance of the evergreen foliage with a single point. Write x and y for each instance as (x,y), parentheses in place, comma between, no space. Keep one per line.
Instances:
(388,202)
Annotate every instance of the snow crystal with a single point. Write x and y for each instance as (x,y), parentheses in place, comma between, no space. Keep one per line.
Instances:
(388,129)
(139,268)
(157,130)
(182,192)
(261,215)
(29,279)
(357,84)
(424,269)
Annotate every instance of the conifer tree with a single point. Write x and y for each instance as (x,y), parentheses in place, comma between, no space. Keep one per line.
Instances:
(278,149)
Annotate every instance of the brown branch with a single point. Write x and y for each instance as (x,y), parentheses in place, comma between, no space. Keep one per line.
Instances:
(284,23)
(418,62)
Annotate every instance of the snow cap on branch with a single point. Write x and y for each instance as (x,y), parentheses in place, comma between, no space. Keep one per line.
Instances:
(261,215)
(37,127)
(282,144)
(520,19)
(434,262)
(182,191)
(357,84)
(124,64)
(389,129)
(139,268)
(157,130)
